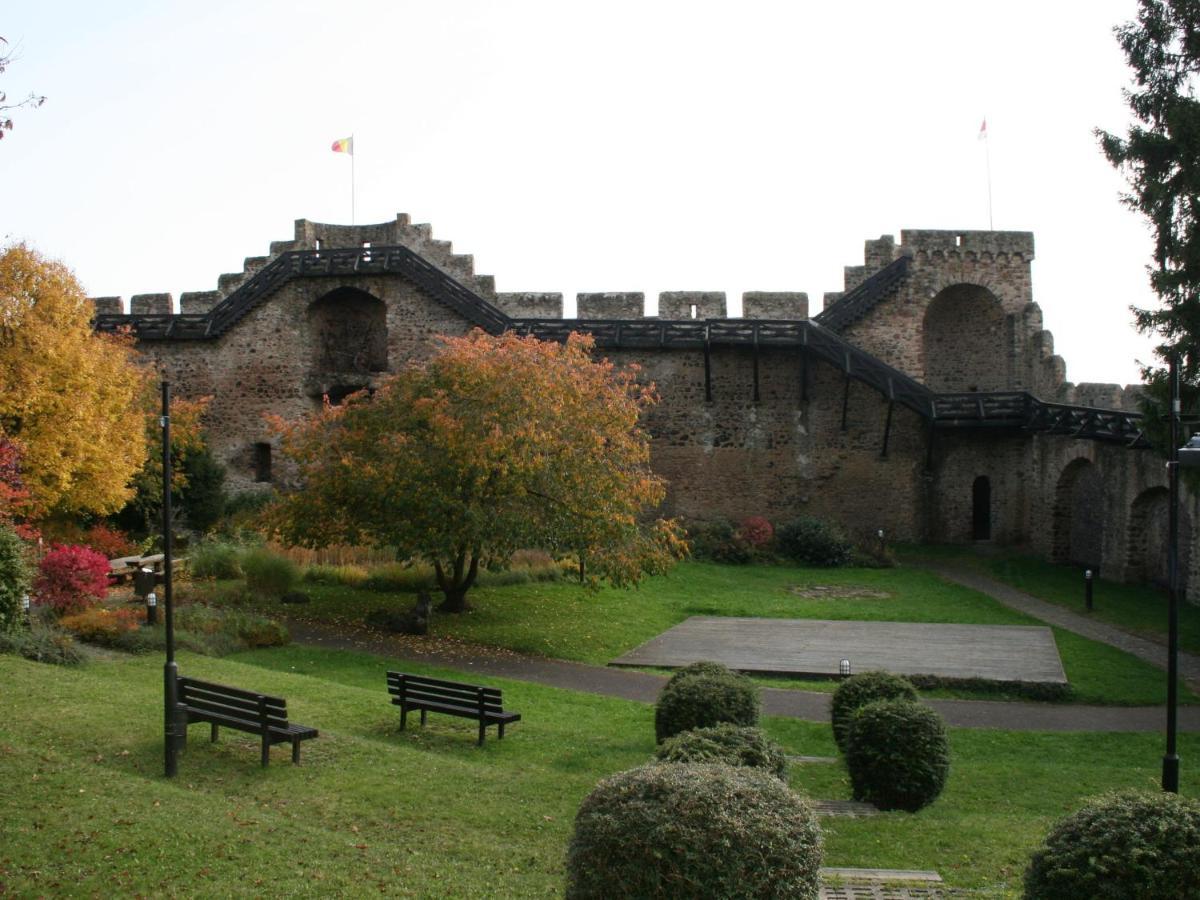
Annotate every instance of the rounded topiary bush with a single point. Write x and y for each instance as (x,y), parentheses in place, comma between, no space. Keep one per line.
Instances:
(704,699)
(693,831)
(859,690)
(813,542)
(1129,845)
(731,745)
(897,754)
(702,667)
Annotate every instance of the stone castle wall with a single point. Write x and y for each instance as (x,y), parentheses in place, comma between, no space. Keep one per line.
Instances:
(964,319)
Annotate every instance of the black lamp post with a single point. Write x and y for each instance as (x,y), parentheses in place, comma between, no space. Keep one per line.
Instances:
(1187,456)
(171,723)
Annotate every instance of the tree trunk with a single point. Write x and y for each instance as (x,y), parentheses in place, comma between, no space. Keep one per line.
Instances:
(455,600)
(455,584)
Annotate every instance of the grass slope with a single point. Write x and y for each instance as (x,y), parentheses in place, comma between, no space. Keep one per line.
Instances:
(425,813)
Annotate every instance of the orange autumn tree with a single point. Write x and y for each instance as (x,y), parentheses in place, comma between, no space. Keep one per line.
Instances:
(493,445)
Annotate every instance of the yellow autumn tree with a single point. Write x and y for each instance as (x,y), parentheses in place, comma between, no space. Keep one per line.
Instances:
(71,400)
(494,444)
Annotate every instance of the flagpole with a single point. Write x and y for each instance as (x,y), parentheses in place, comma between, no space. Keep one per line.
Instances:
(352,222)
(987,151)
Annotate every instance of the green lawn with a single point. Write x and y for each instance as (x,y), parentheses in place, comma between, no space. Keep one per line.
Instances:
(1137,608)
(85,810)
(562,620)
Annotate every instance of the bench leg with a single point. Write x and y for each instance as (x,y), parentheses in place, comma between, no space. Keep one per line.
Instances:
(500,734)
(482,733)
(423,717)
(266,750)
(213,737)
(295,752)
(403,716)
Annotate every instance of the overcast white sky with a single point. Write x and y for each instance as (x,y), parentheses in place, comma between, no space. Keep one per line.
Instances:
(581,146)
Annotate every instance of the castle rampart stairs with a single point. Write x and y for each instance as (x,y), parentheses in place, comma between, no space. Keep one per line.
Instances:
(1013,410)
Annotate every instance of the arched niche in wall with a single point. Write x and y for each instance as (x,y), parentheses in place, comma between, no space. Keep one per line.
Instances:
(1148,543)
(349,329)
(964,341)
(1078,523)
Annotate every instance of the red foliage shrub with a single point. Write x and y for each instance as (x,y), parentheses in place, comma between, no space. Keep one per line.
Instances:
(755,531)
(103,626)
(108,541)
(71,578)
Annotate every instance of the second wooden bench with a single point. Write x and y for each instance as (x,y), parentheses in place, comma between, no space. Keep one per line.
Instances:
(468,701)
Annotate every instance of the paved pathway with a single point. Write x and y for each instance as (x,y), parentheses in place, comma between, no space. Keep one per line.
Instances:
(808,705)
(1150,651)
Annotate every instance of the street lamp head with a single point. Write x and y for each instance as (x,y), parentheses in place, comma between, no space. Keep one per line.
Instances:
(1189,453)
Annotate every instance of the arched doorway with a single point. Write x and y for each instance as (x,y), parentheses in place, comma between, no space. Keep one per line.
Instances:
(1148,539)
(1078,526)
(349,327)
(981,509)
(965,341)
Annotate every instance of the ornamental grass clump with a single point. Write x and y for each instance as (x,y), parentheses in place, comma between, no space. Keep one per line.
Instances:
(859,690)
(1121,846)
(897,754)
(730,745)
(693,831)
(703,698)
(269,575)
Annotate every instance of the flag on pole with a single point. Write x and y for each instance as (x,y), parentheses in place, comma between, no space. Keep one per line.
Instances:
(982,131)
(345,145)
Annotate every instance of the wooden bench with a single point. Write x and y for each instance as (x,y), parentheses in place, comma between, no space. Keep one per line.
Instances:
(469,701)
(218,704)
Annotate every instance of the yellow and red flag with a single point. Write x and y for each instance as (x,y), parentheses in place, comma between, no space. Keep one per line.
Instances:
(345,145)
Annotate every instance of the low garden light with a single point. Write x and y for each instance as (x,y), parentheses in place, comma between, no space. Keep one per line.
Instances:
(844,665)
(1089,577)
(151,608)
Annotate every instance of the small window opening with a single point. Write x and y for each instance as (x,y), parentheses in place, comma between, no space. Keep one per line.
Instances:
(262,462)
(366,251)
(694,310)
(958,240)
(318,244)
(981,509)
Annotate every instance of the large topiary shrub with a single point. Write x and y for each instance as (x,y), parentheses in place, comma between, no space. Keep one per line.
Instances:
(1122,846)
(269,575)
(14,579)
(693,831)
(71,578)
(730,745)
(703,699)
(813,542)
(859,690)
(701,667)
(897,754)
